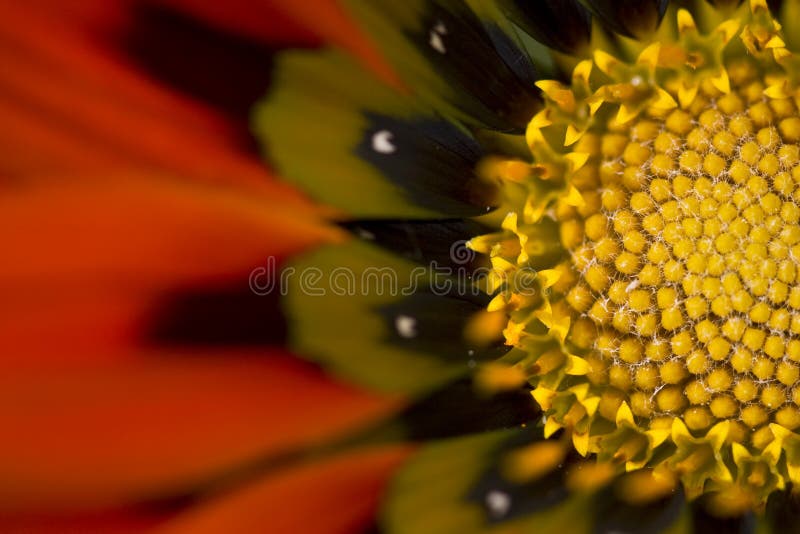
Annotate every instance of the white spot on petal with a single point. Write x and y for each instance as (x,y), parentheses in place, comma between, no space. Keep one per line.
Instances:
(498,503)
(436,42)
(406,326)
(382,142)
(365,234)
(633,285)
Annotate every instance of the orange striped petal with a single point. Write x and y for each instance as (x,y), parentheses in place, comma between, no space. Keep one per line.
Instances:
(114,522)
(84,263)
(334,496)
(70,103)
(161,423)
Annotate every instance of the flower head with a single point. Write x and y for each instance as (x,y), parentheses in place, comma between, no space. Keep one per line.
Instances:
(642,232)
(673,312)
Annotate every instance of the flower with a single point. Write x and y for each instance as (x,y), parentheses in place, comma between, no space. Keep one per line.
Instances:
(558,291)
(627,172)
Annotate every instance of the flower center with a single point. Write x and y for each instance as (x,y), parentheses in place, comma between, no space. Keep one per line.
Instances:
(684,259)
(648,258)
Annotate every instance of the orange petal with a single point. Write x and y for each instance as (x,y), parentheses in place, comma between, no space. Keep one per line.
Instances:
(70,103)
(84,263)
(114,522)
(144,233)
(160,424)
(338,495)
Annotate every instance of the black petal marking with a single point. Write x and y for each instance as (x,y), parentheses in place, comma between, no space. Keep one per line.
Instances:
(434,324)
(775,6)
(454,41)
(783,512)
(613,515)
(728,3)
(503,500)
(227,71)
(228,316)
(433,161)
(563,25)
(442,243)
(705,522)
(457,410)
(516,60)
(633,18)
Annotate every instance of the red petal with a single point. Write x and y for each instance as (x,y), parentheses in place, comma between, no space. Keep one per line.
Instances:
(83,262)
(70,104)
(334,496)
(160,423)
(115,522)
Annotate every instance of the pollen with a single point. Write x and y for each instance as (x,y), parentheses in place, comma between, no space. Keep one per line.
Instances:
(680,226)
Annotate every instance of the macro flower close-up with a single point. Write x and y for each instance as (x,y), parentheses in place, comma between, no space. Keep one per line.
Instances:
(430,266)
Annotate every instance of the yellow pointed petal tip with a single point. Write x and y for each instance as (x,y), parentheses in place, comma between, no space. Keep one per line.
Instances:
(576,159)
(583,70)
(687,94)
(624,415)
(590,405)
(658,436)
(577,366)
(543,397)
(775,42)
(649,56)
(532,462)
(779,431)
(664,100)
(718,434)
(778,90)
(574,198)
(511,170)
(679,432)
(758,5)
(498,303)
(739,453)
(551,426)
(549,87)
(685,21)
(728,29)
(722,82)
(581,443)
(605,61)
(573,135)
(493,378)
(625,114)
(549,277)
(510,222)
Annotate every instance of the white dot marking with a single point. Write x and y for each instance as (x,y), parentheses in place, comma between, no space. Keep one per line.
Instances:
(365,234)
(406,326)
(382,142)
(436,41)
(498,502)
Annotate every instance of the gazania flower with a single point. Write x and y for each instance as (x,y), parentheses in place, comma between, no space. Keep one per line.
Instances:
(555,250)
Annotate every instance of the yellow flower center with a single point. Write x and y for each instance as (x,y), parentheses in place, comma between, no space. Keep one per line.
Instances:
(659,227)
(684,257)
